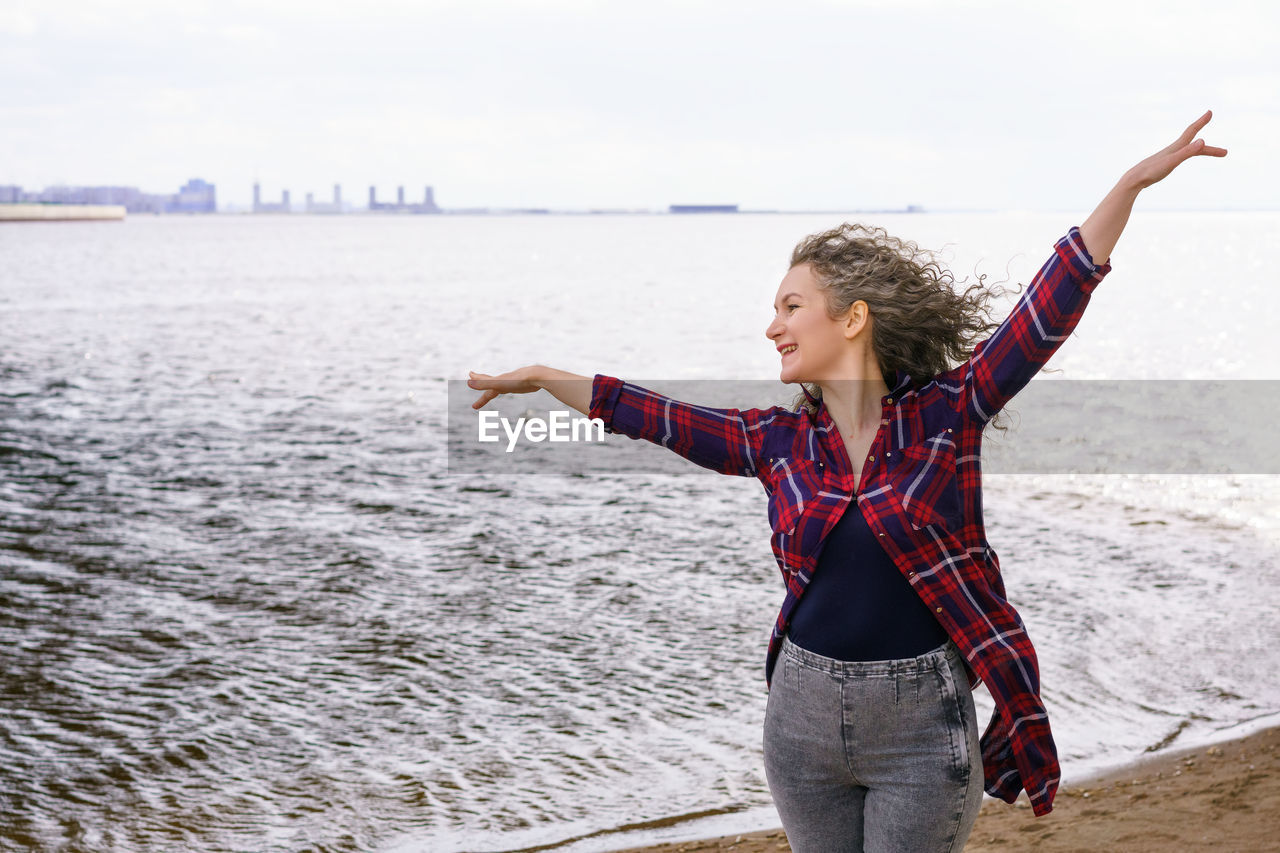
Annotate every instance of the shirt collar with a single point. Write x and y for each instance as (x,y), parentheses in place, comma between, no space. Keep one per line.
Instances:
(901,379)
(901,382)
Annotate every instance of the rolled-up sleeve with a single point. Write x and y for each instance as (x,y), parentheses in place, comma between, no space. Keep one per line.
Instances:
(604,397)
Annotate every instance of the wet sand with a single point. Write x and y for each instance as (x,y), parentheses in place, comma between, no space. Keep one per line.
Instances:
(1223,798)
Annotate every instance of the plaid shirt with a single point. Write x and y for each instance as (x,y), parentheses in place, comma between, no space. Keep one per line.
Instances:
(920,492)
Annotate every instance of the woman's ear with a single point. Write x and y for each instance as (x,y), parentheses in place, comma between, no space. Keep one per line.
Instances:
(857,317)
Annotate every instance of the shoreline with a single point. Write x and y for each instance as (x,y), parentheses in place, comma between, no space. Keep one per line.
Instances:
(1196,797)
(61,212)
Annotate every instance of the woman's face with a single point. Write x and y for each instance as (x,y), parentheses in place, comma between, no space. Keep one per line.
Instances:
(811,344)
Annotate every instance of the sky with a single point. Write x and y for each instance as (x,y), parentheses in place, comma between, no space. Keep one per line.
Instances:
(574,104)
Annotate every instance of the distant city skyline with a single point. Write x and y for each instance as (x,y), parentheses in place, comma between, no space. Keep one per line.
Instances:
(199,196)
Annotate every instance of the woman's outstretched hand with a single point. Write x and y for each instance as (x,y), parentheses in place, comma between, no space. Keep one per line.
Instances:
(569,388)
(1158,166)
(518,381)
(1102,230)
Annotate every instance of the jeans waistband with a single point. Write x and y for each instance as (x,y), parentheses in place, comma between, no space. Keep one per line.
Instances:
(943,656)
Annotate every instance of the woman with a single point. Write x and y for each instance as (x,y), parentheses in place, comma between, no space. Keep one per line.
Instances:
(895,606)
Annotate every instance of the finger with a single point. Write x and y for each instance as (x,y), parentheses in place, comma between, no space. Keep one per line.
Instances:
(1192,149)
(1187,135)
(1199,147)
(1195,126)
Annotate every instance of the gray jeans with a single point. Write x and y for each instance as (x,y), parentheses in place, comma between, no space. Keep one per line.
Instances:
(873,755)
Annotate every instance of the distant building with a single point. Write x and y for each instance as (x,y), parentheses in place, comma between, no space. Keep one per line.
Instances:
(260,206)
(335,206)
(429,202)
(196,197)
(400,206)
(703,208)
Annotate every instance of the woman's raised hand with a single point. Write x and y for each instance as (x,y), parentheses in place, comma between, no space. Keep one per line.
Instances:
(1105,225)
(1158,166)
(518,381)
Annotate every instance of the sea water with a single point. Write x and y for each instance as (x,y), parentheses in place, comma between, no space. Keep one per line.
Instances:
(247,603)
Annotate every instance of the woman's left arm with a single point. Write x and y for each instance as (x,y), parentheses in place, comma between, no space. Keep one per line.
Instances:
(1051,307)
(1102,229)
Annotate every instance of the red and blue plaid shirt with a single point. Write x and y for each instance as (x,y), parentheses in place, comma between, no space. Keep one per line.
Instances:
(920,493)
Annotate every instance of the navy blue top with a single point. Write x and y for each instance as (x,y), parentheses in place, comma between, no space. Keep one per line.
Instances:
(858,606)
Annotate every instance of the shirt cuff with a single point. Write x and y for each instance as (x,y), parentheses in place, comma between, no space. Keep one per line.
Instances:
(1087,273)
(604,398)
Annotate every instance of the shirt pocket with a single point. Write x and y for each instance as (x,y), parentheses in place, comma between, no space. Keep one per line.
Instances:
(795,485)
(923,479)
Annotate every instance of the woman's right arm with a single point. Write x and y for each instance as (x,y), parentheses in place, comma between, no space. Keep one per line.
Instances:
(725,440)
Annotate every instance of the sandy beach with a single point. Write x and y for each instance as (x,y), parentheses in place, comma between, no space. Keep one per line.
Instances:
(1224,798)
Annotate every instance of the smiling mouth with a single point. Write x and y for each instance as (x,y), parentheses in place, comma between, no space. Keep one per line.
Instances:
(788,350)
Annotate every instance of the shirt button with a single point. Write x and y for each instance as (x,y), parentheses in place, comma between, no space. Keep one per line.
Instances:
(938,610)
(889,400)
(882,534)
(948,429)
(871,459)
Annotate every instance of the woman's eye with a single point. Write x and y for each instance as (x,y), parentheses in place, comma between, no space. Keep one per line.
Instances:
(793,306)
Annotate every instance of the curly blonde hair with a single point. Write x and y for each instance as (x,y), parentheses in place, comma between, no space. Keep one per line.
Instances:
(922,325)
